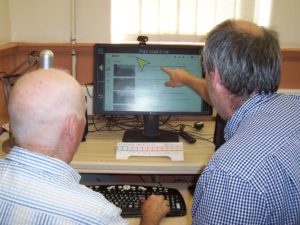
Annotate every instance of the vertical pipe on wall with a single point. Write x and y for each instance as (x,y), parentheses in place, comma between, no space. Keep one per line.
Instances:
(73,37)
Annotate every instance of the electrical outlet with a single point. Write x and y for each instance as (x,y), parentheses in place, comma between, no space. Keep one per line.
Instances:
(88,92)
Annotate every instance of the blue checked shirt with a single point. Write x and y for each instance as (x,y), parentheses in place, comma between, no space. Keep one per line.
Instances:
(254,178)
(36,189)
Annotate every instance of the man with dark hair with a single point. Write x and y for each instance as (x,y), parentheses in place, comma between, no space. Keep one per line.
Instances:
(254,178)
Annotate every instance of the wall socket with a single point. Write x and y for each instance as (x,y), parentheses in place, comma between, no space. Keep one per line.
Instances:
(88,92)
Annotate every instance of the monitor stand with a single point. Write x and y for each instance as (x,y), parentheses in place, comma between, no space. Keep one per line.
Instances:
(151,132)
(219,132)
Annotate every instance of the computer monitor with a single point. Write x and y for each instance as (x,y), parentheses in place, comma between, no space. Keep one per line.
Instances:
(128,80)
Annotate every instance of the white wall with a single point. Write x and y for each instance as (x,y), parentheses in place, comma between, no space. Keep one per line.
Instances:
(40,20)
(50,21)
(285,19)
(93,21)
(4,22)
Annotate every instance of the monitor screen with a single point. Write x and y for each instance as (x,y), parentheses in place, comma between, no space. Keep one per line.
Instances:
(128,80)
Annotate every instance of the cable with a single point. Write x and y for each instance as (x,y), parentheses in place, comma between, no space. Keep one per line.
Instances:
(141,177)
(118,123)
(194,134)
(166,121)
(123,123)
(88,91)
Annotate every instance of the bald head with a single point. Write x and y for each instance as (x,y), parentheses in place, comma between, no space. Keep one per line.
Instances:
(39,105)
(245,26)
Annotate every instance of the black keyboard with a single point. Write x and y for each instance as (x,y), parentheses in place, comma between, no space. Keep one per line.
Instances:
(128,198)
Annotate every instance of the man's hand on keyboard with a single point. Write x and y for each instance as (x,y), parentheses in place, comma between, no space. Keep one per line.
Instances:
(155,208)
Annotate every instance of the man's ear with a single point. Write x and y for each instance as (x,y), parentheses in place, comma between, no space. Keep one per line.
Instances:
(216,80)
(70,129)
(70,137)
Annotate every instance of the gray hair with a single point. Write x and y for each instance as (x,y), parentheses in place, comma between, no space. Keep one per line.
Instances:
(247,62)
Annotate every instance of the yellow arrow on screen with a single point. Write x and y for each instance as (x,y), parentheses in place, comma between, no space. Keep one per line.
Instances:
(142,62)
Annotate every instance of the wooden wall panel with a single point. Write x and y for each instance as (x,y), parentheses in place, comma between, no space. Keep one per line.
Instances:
(290,61)
(290,69)
(7,64)
(62,58)
(85,68)
(62,53)
(11,55)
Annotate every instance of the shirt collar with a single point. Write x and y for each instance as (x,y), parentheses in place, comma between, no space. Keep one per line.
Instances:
(234,122)
(43,163)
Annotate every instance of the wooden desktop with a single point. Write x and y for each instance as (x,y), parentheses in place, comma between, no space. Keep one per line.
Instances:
(97,156)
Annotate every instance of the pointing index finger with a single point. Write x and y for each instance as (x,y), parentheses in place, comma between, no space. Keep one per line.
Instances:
(166,69)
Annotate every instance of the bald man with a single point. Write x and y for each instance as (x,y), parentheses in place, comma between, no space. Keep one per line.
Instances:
(254,178)
(37,185)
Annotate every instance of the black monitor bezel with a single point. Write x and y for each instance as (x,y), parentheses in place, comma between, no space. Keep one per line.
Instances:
(133,48)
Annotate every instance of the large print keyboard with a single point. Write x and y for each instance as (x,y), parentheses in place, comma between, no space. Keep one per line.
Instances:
(173,150)
(129,198)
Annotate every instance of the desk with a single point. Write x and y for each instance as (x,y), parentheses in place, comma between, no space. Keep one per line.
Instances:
(97,155)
